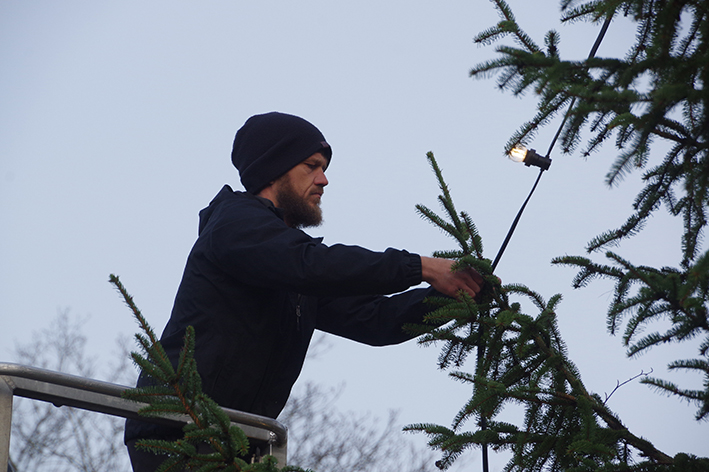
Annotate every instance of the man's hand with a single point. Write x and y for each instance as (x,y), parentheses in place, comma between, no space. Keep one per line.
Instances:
(438,273)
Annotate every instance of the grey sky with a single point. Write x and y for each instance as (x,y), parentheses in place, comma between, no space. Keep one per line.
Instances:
(116,121)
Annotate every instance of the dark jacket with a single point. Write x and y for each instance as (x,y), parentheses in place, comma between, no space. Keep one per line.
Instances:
(255,289)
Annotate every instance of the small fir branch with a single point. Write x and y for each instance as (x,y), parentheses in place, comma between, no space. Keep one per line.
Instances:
(178,391)
(455,254)
(693,396)
(428,214)
(476,240)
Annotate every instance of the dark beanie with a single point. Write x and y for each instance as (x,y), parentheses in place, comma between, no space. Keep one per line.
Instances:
(269,145)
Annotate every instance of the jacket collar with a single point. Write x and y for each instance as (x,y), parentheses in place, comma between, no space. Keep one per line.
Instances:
(269,204)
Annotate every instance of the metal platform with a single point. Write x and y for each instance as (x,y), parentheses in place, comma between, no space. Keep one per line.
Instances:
(104,397)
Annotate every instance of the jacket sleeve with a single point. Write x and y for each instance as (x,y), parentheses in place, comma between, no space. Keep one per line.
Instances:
(253,245)
(374,320)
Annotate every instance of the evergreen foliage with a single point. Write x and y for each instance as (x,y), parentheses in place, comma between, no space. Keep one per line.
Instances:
(178,391)
(654,94)
(521,359)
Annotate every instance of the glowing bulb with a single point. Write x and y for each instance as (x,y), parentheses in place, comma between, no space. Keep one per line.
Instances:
(518,153)
(529,157)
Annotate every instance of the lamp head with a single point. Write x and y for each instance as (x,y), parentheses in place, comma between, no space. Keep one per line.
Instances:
(529,157)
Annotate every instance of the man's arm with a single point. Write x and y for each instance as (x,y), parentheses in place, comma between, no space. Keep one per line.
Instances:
(247,241)
(437,272)
(379,320)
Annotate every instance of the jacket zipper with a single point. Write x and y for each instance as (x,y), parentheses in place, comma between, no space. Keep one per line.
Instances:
(297,312)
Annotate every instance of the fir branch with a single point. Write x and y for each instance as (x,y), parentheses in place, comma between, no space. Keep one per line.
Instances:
(179,392)
(694,396)
(435,219)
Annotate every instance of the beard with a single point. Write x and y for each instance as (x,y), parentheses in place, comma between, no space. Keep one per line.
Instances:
(297,212)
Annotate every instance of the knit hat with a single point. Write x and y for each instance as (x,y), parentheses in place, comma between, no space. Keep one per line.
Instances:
(269,145)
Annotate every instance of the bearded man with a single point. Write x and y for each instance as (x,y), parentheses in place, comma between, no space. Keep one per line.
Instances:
(256,286)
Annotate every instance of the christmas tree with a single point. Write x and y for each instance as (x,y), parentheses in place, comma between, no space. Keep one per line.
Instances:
(653,94)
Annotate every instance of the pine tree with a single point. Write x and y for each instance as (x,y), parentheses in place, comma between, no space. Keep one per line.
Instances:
(522,359)
(654,94)
(178,391)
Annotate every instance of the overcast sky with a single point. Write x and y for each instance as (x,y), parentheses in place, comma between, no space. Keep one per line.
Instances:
(116,123)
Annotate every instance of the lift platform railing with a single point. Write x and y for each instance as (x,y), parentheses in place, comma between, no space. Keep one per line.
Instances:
(104,397)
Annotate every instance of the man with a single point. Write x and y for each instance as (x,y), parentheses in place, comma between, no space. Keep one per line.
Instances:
(255,286)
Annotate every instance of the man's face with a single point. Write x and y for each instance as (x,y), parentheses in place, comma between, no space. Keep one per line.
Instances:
(299,191)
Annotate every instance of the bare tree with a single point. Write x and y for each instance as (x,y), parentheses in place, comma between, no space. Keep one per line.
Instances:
(323,438)
(45,437)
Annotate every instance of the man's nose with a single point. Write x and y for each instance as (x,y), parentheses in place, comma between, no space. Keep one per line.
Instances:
(321,179)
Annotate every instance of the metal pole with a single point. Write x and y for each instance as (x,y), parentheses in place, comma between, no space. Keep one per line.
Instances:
(6,394)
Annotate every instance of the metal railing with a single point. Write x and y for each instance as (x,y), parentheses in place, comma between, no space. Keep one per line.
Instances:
(104,397)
